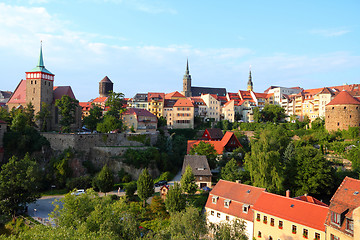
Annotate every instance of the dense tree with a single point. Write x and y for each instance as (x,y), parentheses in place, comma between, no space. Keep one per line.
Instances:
(115,102)
(18,184)
(230,171)
(229,230)
(109,123)
(158,208)
(95,117)
(29,112)
(104,180)
(315,175)
(67,109)
(145,186)
(207,149)
(5,115)
(19,123)
(43,116)
(130,189)
(353,155)
(187,181)
(318,123)
(290,167)
(188,224)
(264,162)
(60,168)
(175,201)
(256,114)
(272,113)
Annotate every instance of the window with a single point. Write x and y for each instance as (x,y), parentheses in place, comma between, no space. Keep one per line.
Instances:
(212,213)
(227,203)
(272,222)
(349,225)
(270,238)
(265,219)
(293,229)
(305,233)
(218,215)
(335,218)
(227,218)
(214,199)
(259,234)
(280,224)
(258,217)
(333,237)
(317,236)
(246,208)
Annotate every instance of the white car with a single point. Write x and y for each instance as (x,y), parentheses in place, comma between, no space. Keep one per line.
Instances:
(78,192)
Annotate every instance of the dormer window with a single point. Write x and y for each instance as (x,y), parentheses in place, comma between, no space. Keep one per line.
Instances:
(246,208)
(214,199)
(349,225)
(227,203)
(335,218)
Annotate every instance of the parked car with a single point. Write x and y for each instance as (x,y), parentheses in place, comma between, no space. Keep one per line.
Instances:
(78,192)
(161,183)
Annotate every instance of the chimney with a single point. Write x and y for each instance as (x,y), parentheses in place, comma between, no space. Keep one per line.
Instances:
(288,193)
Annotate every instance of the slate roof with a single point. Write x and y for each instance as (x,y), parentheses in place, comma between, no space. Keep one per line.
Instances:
(139,112)
(294,210)
(344,201)
(197,91)
(198,164)
(214,133)
(344,98)
(239,194)
(140,97)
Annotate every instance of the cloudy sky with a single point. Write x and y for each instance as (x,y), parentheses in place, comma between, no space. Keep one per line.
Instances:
(143,45)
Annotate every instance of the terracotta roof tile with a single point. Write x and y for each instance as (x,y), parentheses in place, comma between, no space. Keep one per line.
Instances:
(344,98)
(174,94)
(239,194)
(100,99)
(19,95)
(183,103)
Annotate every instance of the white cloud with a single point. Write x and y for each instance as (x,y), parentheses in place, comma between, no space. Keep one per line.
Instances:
(330,32)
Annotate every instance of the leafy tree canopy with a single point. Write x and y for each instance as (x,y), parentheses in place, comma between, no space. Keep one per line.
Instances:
(175,201)
(207,149)
(187,181)
(95,117)
(67,108)
(104,180)
(145,186)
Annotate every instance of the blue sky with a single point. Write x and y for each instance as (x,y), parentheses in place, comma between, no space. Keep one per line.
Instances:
(143,45)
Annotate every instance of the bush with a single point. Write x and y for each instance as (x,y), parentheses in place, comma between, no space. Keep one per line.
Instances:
(130,189)
(83,182)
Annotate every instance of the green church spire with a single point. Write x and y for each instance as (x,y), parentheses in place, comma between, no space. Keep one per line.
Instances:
(41,61)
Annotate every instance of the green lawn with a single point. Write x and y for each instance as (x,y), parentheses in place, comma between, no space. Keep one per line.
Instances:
(54,192)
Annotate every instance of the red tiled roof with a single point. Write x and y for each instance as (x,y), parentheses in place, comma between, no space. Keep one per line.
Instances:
(60,91)
(229,102)
(19,95)
(151,95)
(344,98)
(100,99)
(2,122)
(344,201)
(239,194)
(175,94)
(138,112)
(297,211)
(183,103)
(310,199)
(86,106)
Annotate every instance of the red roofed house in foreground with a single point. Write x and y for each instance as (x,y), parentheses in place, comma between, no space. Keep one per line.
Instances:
(38,88)
(342,112)
(229,201)
(228,143)
(278,217)
(343,220)
(140,119)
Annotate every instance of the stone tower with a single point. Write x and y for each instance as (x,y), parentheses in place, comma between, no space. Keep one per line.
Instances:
(187,82)
(39,85)
(250,83)
(342,112)
(105,87)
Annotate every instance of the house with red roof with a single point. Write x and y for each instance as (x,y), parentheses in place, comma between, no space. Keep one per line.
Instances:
(228,143)
(343,219)
(282,217)
(140,120)
(38,88)
(156,103)
(85,109)
(213,107)
(230,201)
(181,115)
(212,134)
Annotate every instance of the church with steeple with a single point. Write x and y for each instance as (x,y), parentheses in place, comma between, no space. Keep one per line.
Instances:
(38,88)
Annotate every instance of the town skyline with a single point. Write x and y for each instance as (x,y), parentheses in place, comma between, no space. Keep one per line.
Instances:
(143,46)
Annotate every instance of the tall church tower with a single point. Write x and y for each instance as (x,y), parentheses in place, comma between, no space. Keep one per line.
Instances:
(39,85)
(250,83)
(187,82)
(105,87)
